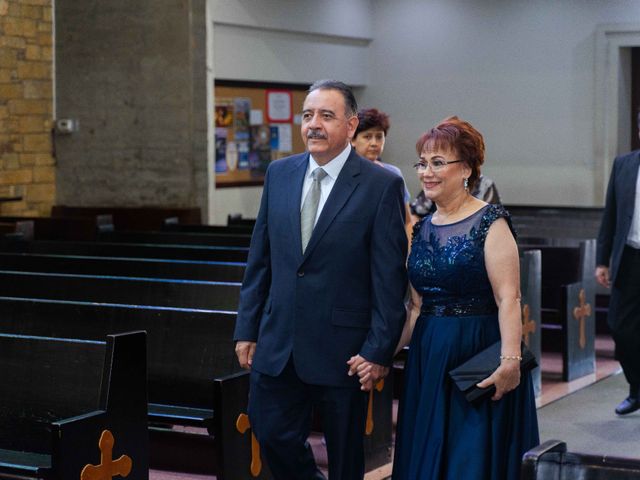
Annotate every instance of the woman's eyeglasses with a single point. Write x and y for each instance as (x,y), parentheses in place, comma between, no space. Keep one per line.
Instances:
(434,165)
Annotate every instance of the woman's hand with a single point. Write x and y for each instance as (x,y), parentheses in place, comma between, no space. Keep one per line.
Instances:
(506,378)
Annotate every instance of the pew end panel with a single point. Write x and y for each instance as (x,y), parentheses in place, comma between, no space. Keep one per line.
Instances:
(568,306)
(123,412)
(234,438)
(64,394)
(75,443)
(533,468)
(379,443)
(552,461)
(530,289)
(579,323)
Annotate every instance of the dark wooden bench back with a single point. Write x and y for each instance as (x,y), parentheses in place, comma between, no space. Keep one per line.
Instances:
(130,218)
(45,379)
(19,229)
(556,222)
(237,219)
(178,238)
(551,241)
(66,228)
(186,348)
(229,229)
(125,267)
(130,250)
(121,290)
(562,266)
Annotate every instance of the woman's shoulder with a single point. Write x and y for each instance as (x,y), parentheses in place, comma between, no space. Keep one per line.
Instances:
(493,212)
(496,210)
(417,227)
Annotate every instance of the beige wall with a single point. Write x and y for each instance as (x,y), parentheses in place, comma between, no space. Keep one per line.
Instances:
(27,167)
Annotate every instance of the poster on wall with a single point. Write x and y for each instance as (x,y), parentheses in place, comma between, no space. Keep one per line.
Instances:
(241,116)
(253,127)
(279,108)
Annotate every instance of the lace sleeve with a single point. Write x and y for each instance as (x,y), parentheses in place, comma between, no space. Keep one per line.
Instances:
(416,229)
(494,212)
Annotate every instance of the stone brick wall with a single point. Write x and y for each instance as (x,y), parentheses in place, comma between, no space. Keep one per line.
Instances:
(133,74)
(27,166)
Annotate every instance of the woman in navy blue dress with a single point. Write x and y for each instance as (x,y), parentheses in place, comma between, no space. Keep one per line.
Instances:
(464,271)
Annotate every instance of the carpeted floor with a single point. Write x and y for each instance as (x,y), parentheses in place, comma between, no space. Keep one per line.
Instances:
(585,420)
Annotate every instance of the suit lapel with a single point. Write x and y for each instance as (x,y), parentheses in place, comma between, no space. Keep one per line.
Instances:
(294,187)
(345,184)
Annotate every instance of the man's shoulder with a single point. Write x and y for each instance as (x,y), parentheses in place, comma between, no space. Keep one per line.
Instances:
(286,163)
(628,157)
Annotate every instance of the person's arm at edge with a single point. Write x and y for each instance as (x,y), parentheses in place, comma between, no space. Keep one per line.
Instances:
(607,231)
(503,268)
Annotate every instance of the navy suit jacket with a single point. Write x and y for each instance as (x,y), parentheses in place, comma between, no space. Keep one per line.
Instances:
(345,294)
(618,212)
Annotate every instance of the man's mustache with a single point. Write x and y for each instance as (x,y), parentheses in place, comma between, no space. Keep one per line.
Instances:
(316,135)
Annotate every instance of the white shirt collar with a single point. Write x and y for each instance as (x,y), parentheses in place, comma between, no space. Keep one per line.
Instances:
(334,166)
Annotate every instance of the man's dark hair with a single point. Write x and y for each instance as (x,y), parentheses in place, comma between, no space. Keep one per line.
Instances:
(351,106)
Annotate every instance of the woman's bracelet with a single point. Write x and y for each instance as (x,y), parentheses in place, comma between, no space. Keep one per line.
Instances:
(511,357)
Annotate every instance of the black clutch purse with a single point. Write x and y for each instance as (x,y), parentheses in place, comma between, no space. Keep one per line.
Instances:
(481,366)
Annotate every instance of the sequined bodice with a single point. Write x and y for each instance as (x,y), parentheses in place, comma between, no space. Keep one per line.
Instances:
(446,264)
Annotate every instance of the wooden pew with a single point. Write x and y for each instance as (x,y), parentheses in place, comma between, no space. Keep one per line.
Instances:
(556,222)
(123,267)
(129,250)
(121,290)
(239,220)
(229,229)
(602,293)
(551,460)
(133,218)
(16,229)
(60,395)
(187,349)
(568,303)
(194,377)
(66,228)
(178,238)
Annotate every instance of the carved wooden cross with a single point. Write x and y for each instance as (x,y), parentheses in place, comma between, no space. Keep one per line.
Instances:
(369,425)
(108,468)
(580,313)
(528,325)
(242,425)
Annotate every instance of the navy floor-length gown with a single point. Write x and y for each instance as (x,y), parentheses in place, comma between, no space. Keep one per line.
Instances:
(440,435)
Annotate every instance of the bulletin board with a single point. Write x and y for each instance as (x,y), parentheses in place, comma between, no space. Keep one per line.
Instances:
(255,124)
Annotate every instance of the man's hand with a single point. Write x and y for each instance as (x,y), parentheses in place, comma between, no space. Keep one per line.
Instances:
(602,276)
(368,372)
(244,352)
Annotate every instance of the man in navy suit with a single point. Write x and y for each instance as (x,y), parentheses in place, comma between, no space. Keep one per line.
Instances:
(319,288)
(618,267)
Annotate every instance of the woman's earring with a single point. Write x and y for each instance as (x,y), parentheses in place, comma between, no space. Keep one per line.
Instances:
(466,184)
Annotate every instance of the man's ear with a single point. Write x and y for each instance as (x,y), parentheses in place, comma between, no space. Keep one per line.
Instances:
(352,124)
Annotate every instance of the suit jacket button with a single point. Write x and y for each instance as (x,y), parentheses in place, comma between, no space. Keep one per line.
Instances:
(301,273)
